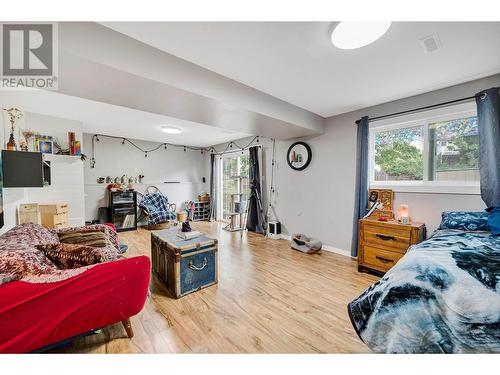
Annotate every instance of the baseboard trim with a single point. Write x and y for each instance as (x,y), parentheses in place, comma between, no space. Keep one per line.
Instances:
(335,250)
(328,248)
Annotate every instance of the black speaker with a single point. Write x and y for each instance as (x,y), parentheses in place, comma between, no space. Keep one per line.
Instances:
(274,229)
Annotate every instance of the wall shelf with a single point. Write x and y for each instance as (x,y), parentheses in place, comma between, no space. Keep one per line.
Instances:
(158,184)
(56,157)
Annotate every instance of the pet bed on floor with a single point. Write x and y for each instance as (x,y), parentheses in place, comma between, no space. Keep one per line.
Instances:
(306,244)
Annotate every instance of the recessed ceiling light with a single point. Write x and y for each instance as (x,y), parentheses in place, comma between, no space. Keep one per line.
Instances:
(350,35)
(170,130)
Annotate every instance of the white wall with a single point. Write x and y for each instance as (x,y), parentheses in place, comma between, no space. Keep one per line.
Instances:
(319,201)
(66,173)
(116,159)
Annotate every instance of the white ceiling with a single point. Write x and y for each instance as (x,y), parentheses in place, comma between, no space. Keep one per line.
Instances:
(103,118)
(296,62)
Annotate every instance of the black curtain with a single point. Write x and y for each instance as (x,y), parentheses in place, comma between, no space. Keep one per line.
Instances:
(361,189)
(488,122)
(255,220)
(213,188)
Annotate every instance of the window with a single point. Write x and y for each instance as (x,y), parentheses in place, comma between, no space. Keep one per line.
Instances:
(399,154)
(453,152)
(429,151)
(233,165)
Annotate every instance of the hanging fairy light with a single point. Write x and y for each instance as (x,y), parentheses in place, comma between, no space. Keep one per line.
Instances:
(211,149)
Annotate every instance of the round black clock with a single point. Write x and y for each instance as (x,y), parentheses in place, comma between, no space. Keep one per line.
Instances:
(299,156)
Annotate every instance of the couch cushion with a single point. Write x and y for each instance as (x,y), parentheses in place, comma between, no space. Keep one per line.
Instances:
(112,248)
(94,238)
(67,256)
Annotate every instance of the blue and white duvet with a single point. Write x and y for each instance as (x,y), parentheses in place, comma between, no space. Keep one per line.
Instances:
(443,296)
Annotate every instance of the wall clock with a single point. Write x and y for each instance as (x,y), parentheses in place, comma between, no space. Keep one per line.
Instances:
(299,156)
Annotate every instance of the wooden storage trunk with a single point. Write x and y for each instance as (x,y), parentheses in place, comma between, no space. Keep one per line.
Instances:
(55,215)
(185,266)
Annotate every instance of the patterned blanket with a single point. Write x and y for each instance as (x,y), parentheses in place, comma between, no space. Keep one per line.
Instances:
(20,259)
(156,204)
(443,296)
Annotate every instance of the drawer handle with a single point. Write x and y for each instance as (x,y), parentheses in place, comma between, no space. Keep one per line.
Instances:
(384,260)
(385,238)
(194,268)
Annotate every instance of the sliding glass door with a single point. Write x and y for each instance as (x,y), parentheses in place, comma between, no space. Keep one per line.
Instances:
(233,168)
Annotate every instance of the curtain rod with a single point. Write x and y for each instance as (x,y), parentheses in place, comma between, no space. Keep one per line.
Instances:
(420,109)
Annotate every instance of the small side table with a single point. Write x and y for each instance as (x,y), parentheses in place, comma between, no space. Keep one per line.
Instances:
(382,243)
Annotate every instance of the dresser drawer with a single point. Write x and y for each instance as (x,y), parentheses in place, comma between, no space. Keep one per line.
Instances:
(379,259)
(398,239)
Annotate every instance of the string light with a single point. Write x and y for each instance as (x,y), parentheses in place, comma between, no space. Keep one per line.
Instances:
(212,149)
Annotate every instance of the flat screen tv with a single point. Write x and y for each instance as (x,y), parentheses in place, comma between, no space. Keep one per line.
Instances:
(22,169)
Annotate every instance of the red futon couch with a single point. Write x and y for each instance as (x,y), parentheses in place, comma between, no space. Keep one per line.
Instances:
(42,305)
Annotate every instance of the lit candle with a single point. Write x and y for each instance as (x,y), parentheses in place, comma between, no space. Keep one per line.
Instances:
(403,214)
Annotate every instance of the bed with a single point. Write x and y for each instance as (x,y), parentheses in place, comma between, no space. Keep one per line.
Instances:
(443,296)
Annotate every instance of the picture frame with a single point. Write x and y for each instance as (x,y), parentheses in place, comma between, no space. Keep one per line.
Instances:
(46,145)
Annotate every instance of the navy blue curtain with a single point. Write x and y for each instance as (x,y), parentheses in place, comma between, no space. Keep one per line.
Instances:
(213,188)
(361,190)
(255,216)
(488,119)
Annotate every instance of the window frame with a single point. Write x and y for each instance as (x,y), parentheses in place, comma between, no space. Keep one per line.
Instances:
(423,119)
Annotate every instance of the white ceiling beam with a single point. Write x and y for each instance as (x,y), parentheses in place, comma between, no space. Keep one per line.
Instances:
(98,63)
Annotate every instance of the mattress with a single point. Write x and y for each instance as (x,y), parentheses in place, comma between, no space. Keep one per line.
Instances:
(443,296)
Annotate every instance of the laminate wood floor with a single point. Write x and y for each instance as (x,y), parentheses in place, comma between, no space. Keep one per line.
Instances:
(270,299)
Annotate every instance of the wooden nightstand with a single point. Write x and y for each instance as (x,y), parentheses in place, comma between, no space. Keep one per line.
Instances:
(382,243)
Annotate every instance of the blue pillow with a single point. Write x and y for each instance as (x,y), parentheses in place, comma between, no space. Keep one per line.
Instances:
(494,220)
(463,220)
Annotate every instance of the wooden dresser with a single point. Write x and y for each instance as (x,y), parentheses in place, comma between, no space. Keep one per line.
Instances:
(381,244)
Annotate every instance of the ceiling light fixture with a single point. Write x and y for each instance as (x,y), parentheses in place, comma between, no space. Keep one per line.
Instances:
(351,35)
(171,130)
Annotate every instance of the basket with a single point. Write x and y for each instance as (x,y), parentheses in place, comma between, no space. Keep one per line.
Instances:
(182,216)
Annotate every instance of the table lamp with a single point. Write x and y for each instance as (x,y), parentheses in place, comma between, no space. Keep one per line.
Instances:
(403,214)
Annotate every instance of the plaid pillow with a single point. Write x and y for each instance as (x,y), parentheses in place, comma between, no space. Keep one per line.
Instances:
(67,256)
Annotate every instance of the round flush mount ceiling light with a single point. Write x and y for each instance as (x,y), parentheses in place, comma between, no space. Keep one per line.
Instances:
(170,130)
(351,35)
